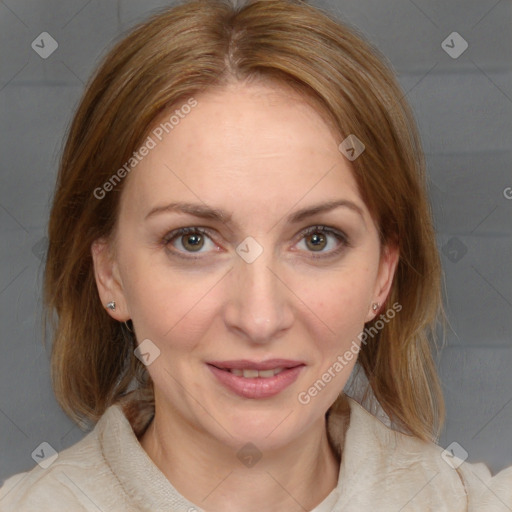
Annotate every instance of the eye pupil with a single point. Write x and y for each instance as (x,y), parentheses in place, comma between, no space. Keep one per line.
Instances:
(316,241)
(193,242)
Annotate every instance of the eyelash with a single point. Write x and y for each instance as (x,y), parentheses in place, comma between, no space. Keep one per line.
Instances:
(339,235)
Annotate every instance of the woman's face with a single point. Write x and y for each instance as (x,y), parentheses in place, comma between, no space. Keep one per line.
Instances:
(243,246)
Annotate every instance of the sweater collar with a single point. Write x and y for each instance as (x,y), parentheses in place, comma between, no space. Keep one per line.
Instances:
(123,423)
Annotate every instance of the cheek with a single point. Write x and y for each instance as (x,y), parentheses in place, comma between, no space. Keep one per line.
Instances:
(168,305)
(341,299)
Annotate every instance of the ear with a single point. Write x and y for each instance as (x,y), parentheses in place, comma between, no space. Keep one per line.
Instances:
(108,280)
(387,266)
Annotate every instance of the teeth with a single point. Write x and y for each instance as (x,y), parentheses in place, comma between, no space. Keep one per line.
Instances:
(252,374)
(266,373)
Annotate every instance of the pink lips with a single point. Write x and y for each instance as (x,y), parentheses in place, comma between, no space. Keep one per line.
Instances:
(256,387)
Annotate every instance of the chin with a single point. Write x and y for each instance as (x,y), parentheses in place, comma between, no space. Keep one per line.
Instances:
(267,427)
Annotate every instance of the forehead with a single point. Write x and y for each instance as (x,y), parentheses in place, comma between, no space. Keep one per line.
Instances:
(245,143)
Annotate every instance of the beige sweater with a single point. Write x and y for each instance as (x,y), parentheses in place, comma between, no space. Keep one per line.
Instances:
(381,470)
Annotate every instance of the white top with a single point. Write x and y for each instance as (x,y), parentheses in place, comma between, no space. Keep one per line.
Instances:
(381,469)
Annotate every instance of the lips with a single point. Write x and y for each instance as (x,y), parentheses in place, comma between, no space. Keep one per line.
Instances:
(255,379)
(247,364)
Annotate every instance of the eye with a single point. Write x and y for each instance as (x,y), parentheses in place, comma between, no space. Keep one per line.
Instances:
(322,239)
(191,240)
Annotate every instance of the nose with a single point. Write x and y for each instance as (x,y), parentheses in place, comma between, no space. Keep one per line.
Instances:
(258,305)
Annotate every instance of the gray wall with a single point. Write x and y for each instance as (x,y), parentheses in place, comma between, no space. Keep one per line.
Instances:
(463,106)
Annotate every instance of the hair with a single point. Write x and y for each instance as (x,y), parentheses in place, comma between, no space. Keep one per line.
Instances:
(186,50)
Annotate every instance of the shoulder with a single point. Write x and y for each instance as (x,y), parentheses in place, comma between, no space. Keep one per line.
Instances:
(399,468)
(38,488)
(70,482)
(485,491)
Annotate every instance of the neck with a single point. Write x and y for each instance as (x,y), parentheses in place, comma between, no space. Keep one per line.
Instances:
(297,476)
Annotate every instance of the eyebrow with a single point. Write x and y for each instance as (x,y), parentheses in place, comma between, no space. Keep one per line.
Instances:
(197,210)
(323,208)
(205,212)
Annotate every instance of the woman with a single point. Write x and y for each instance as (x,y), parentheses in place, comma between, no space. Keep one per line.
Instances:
(240,225)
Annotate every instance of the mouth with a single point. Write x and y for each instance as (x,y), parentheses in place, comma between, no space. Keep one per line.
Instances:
(252,374)
(253,379)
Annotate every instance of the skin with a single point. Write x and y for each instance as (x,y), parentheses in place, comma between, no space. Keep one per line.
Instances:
(259,153)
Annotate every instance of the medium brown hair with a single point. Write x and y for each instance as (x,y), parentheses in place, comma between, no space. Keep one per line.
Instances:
(180,53)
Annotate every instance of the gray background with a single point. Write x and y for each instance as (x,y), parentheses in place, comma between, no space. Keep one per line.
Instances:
(463,107)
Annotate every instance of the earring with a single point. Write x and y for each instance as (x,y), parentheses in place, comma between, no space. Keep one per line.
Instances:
(375,306)
(111,305)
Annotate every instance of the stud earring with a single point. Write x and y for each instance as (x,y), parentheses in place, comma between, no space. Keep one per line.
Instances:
(111,305)
(375,306)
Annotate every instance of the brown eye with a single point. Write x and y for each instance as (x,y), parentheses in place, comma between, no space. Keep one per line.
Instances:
(189,240)
(316,241)
(325,241)
(192,242)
